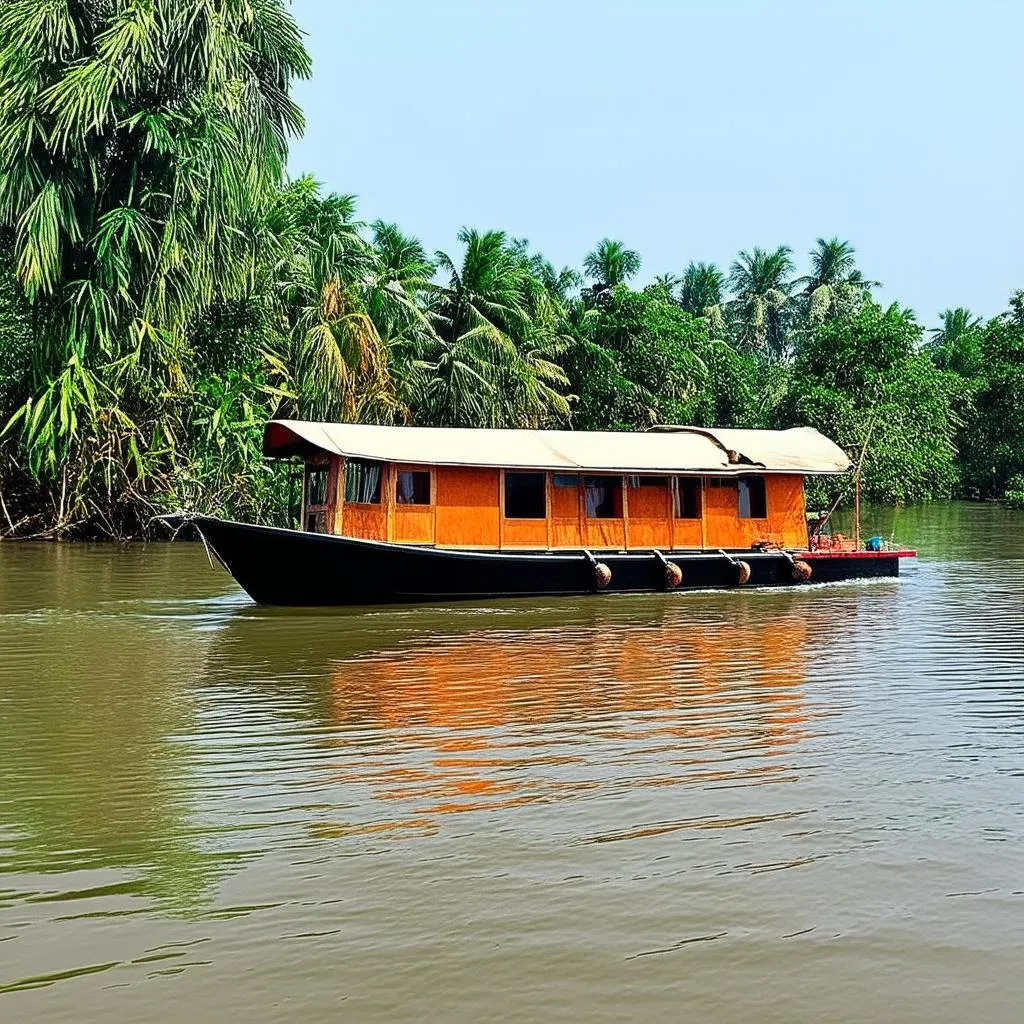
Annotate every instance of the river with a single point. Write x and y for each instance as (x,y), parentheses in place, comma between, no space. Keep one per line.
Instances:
(764,805)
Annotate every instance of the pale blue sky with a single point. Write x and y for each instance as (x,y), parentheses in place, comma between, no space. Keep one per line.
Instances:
(688,130)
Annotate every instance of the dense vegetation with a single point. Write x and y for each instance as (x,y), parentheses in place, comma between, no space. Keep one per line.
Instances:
(164,290)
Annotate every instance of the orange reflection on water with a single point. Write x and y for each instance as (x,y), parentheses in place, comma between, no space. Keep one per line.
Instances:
(498,718)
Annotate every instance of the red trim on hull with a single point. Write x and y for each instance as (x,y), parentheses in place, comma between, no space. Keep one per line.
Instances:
(902,553)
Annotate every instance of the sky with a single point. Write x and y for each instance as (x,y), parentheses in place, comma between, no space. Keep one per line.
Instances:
(688,130)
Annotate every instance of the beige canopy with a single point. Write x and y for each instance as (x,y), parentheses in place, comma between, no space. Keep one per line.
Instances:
(668,449)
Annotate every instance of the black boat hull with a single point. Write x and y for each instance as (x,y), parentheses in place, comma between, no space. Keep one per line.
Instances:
(289,567)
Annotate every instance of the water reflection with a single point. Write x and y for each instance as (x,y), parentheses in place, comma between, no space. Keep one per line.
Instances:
(419,807)
(592,697)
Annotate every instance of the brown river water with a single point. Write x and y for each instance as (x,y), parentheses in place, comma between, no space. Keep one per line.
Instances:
(763,805)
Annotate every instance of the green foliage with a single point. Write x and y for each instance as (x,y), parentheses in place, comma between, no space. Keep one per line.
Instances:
(138,139)
(163,292)
(762,311)
(643,363)
(862,381)
(992,440)
(15,338)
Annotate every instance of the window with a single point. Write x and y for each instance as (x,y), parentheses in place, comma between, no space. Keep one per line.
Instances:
(636,482)
(686,497)
(316,484)
(525,496)
(317,476)
(362,482)
(604,497)
(753,500)
(412,487)
(566,480)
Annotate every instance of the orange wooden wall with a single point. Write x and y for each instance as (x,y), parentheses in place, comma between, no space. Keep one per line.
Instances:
(785,524)
(468,511)
(467,506)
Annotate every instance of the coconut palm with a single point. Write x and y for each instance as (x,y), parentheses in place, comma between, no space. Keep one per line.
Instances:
(834,285)
(610,263)
(491,363)
(956,345)
(138,139)
(700,293)
(760,281)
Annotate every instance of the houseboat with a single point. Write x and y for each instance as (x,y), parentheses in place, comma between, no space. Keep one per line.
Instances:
(400,514)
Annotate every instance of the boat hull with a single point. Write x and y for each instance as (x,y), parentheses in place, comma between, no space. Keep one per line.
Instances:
(288,567)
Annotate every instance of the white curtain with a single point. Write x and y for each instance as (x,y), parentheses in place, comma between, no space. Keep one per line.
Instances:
(362,482)
(597,494)
(406,489)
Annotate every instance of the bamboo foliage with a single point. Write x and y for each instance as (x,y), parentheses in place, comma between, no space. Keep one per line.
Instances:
(135,136)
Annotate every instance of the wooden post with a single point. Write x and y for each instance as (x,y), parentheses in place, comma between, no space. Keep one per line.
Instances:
(856,503)
(703,511)
(549,498)
(673,483)
(389,484)
(625,512)
(433,504)
(339,516)
(501,504)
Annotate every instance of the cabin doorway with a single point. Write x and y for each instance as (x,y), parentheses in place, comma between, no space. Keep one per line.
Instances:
(318,497)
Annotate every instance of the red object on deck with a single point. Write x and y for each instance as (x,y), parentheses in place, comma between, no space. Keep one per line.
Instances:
(827,553)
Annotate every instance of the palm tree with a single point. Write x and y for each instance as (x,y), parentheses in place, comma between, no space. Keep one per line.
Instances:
(492,362)
(610,263)
(956,345)
(700,294)
(666,285)
(834,284)
(323,287)
(559,284)
(760,281)
(138,142)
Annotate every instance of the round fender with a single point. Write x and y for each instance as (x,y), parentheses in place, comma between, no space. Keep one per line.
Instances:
(673,575)
(742,573)
(602,575)
(802,571)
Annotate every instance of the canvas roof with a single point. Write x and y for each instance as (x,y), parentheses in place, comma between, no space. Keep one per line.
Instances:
(664,450)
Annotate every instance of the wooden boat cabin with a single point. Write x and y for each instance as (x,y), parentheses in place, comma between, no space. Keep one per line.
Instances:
(392,514)
(506,490)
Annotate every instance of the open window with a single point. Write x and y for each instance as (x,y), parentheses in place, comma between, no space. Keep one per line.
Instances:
(362,482)
(526,496)
(604,497)
(412,487)
(753,497)
(316,498)
(686,502)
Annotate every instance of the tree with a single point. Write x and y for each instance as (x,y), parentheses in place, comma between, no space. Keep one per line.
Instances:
(700,294)
(956,345)
(610,263)
(760,281)
(138,140)
(834,285)
(862,380)
(490,362)
(642,362)
(992,439)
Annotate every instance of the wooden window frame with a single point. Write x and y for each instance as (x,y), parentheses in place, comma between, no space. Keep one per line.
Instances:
(381,486)
(427,471)
(699,482)
(505,473)
(764,486)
